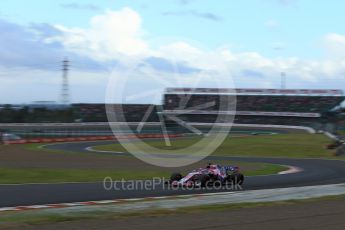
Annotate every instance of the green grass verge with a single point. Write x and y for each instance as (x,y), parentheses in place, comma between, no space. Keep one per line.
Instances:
(39,175)
(282,145)
(18,219)
(38,147)
(341,132)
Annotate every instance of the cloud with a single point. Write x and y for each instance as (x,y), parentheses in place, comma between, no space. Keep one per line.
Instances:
(34,53)
(43,30)
(77,6)
(301,73)
(30,47)
(110,35)
(334,45)
(22,47)
(108,38)
(165,65)
(252,73)
(204,15)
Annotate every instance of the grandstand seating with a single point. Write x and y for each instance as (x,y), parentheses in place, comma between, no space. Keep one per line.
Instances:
(130,112)
(253,106)
(268,103)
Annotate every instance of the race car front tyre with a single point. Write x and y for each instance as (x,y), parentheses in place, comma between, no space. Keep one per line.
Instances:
(175,177)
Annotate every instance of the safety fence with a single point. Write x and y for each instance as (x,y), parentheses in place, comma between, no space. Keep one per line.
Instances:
(90,138)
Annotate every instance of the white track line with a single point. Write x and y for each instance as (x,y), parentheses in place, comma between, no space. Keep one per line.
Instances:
(263,195)
(91,149)
(292,169)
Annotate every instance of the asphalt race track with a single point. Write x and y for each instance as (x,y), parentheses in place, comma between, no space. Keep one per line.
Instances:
(315,172)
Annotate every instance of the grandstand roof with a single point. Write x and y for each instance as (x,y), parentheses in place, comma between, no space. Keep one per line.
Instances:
(285,92)
(242,113)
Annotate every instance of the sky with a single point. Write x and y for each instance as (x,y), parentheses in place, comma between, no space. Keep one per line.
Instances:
(131,50)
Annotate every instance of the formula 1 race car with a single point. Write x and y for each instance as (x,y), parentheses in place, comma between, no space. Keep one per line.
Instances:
(211,175)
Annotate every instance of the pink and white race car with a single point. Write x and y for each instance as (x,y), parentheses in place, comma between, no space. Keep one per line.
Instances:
(212,174)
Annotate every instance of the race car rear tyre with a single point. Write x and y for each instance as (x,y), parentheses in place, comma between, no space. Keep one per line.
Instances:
(238,178)
(175,177)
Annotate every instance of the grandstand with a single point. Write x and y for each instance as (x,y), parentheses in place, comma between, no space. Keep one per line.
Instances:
(254,106)
(302,107)
(130,112)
